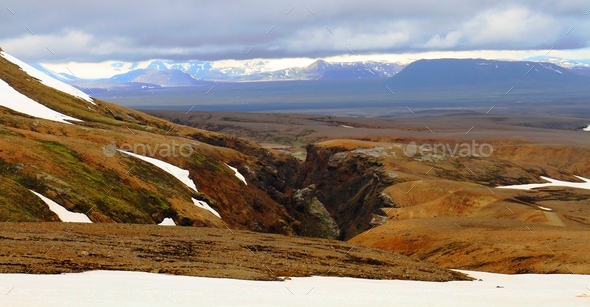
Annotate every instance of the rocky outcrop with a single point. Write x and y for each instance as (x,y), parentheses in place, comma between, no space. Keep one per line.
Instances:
(348,184)
(315,219)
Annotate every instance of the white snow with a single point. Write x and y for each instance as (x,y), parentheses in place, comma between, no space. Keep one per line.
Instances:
(177,172)
(63,214)
(551,183)
(551,68)
(116,288)
(345,126)
(240,176)
(46,79)
(587,128)
(16,101)
(167,222)
(546,209)
(205,205)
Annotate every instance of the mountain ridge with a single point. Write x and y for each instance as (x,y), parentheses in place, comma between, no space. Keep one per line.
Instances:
(441,73)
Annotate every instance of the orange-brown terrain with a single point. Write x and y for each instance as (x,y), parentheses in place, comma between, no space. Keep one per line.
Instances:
(359,180)
(446,209)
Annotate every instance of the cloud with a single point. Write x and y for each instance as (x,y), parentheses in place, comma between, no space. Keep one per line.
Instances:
(345,37)
(513,28)
(214,30)
(447,42)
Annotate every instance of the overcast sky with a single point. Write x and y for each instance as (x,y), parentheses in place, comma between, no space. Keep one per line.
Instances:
(96,31)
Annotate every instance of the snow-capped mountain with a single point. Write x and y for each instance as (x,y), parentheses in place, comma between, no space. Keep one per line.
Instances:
(243,71)
(161,73)
(322,70)
(200,70)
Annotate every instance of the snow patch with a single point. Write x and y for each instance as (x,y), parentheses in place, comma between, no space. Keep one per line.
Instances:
(551,68)
(177,172)
(240,176)
(114,288)
(587,128)
(205,205)
(167,222)
(63,214)
(46,79)
(12,99)
(551,183)
(545,209)
(345,126)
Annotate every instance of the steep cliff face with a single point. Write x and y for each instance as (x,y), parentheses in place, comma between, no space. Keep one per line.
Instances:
(335,193)
(348,184)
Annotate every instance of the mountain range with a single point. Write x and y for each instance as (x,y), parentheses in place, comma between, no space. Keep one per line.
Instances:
(167,74)
(159,73)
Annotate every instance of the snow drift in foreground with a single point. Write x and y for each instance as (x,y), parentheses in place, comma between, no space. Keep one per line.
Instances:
(63,213)
(46,79)
(551,183)
(115,288)
(177,172)
(587,128)
(16,101)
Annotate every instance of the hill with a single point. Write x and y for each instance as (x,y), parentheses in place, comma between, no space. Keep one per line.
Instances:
(71,150)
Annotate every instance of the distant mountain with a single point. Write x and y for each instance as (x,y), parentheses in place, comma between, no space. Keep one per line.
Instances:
(441,73)
(319,70)
(139,79)
(322,70)
(166,78)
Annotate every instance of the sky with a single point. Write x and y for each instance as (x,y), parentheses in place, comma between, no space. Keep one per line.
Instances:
(90,32)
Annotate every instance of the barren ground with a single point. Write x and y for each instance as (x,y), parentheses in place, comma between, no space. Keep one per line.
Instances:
(51,248)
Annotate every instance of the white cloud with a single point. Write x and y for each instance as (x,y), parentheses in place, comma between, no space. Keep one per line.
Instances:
(381,36)
(67,43)
(449,41)
(515,27)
